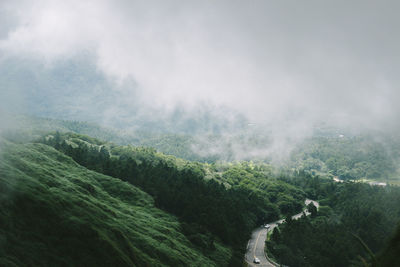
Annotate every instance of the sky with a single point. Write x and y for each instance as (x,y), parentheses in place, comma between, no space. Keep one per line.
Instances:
(286,64)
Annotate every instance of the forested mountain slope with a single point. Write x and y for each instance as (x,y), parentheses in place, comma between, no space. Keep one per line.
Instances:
(54,212)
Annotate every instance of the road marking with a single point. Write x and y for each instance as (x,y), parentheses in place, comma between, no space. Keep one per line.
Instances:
(254,251)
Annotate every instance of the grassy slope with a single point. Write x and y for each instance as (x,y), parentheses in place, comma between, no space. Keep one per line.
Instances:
(54,212)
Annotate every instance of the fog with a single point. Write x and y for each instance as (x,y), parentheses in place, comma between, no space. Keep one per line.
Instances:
(287,66)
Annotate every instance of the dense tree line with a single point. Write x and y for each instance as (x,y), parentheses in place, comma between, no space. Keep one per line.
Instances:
(259,178)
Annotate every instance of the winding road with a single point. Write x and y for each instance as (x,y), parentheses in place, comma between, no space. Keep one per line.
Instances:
(256,245)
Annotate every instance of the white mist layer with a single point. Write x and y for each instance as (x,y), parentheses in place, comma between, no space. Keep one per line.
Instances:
(287,66)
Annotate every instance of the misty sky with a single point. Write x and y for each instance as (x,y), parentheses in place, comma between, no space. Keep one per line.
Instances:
(298,62)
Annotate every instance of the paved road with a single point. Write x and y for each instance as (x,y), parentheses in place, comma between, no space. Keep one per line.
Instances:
(255,246)
(373,183)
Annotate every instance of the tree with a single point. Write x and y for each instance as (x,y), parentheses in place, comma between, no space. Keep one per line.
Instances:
(276,236)
(312,209)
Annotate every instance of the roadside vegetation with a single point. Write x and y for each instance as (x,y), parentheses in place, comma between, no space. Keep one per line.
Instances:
(350,215)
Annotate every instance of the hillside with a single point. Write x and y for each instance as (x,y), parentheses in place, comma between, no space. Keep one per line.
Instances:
(55,212)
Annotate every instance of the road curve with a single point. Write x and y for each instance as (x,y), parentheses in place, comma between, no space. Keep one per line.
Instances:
(256,245)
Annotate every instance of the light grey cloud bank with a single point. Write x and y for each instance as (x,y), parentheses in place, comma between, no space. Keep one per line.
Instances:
(298,62)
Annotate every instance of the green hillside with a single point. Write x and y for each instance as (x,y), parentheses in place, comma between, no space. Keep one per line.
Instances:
(54,212)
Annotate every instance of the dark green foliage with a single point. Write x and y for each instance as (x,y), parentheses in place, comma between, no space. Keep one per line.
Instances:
(312,209)
(390,256)
(282,197)
(303,243)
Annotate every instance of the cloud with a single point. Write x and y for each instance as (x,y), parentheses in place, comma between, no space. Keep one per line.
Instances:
(292,62)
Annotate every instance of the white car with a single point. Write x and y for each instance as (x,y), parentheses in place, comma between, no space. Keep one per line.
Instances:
(256,260)
(267,226)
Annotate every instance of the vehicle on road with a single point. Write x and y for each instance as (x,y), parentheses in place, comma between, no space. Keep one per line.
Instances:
(256,260)
(267,226)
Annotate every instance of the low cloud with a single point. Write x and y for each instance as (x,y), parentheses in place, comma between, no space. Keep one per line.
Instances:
(285,65)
